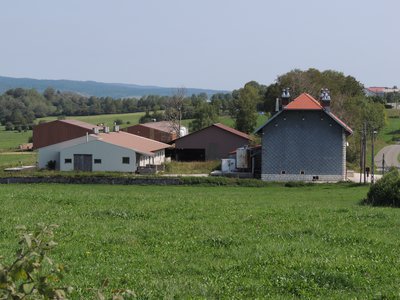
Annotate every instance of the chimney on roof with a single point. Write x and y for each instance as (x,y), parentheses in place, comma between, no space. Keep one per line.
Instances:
(277,105)
(325,99)
(285,97)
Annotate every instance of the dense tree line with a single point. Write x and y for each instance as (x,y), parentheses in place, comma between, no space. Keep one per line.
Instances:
(19,107)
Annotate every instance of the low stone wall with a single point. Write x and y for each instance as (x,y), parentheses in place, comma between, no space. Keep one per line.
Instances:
(93,180)
(300,177)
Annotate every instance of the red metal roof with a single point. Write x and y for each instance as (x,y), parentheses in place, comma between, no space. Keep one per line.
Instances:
(377,89)
(80,124)
(131,141)
(162,126)
(231,130)
(304,102)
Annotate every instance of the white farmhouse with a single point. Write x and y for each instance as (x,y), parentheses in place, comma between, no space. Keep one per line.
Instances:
(111,151)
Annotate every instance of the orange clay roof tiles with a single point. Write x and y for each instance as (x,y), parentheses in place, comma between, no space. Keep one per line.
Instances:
(304,102)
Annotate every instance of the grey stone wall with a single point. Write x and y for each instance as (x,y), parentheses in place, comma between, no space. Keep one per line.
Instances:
(302,145)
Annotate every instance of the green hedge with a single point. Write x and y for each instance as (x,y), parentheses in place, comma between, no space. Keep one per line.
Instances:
(386,192)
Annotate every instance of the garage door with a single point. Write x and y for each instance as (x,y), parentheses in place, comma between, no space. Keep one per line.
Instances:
(83,162)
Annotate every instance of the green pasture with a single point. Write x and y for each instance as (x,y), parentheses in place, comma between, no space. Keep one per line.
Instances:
(10,140)
(108,119)
(213,242)
(16,159)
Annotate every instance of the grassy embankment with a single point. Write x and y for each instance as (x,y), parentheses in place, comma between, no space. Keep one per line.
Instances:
(219,242)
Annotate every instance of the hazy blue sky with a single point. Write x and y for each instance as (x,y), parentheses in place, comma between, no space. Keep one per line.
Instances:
(217,44)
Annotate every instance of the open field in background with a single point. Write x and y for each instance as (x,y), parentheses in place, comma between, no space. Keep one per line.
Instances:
(108,119)
(15,159)
(227,120)
(10,140)
(391,133)
(214,242)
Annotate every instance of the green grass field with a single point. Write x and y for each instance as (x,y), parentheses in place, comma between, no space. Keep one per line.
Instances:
(10,140)
(108,119)
(214,242)
(15,159)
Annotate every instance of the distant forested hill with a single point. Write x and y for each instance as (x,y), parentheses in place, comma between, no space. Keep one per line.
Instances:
(93,88)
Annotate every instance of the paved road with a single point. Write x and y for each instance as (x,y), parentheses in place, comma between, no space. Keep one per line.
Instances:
(391,156)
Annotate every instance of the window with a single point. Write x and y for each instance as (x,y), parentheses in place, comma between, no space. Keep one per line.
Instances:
(302,172)
(97,161)
(68,161)
(283,172)
(125,160)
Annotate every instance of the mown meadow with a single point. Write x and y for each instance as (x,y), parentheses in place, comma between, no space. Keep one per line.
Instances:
(213,242)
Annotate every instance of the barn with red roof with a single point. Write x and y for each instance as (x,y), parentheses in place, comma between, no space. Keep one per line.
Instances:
(210,143)
(304,141)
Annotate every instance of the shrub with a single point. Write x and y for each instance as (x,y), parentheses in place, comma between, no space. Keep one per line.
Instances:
(118,121)
(33,275)
(385,192)
(51,165)
(9,126)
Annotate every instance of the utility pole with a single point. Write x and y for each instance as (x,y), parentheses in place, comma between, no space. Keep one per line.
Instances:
(372,158)
(361,154)
(365,151)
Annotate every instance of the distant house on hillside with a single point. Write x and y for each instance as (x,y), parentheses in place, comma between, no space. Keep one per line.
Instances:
(159,131)
(106,151)
(304,141)
(57,131)
(210,143)
(380,90)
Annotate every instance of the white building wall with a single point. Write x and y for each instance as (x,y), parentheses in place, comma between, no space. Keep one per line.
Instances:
(157,159)
(52,152)
(110,155)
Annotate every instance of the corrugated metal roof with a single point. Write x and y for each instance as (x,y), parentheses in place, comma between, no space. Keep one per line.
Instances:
(232,130)
(220,126)
(131,141)
(304,102)
(80,124)
(162,126)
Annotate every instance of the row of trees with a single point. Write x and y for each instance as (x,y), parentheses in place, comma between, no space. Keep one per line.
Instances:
(21,107)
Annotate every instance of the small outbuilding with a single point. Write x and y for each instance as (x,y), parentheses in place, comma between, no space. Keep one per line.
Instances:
(109,151)
(58,131)
(210,143)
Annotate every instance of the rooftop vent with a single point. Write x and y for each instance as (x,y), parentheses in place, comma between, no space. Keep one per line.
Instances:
(285,97)
(325,99)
